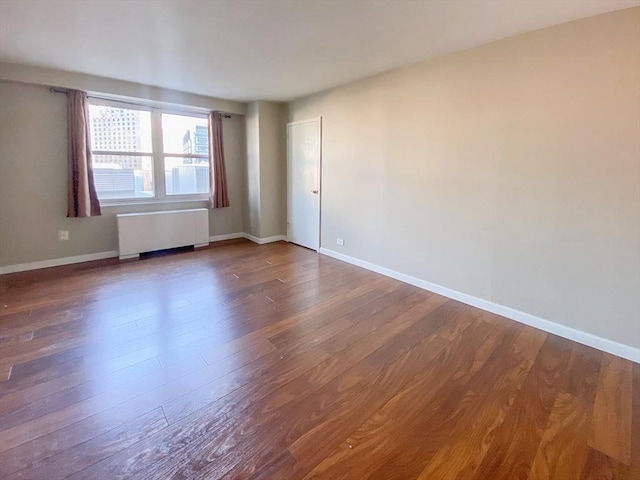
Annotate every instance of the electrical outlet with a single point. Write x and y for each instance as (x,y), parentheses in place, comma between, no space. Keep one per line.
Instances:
(340,241)
(63,235)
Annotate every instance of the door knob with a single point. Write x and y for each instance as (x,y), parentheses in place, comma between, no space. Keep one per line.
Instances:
(314,191)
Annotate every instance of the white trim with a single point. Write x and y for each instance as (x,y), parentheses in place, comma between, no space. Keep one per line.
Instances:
(262,241)
(56,262)
(308,120)
(190,202)
(589,339)
(226,236)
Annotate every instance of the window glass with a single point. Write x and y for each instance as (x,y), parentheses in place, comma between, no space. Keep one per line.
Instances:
(183,134)
(118,177)
(118,137)
(186,175)
(186,139)
(120,129)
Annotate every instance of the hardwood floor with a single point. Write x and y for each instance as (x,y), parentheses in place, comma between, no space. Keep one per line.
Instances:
(272,362)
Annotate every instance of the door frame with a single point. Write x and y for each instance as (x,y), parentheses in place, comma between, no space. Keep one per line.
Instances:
(289,176)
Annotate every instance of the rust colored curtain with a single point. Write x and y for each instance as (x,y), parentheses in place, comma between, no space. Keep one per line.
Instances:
(82,200)
(217,172)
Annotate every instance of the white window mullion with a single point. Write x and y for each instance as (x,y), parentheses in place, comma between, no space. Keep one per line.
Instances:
(158,157)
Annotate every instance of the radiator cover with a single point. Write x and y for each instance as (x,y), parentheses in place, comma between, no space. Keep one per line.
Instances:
(151,231)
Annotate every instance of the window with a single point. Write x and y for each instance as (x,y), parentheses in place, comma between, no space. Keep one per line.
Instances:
(142,153)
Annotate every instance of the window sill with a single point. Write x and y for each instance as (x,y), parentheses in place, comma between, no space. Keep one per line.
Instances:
(130,207)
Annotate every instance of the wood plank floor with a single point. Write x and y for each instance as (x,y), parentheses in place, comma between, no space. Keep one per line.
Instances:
(272,362)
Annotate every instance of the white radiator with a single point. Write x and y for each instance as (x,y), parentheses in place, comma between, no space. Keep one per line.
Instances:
(147,232)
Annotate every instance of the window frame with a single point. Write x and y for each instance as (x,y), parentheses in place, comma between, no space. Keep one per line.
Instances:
(157,154)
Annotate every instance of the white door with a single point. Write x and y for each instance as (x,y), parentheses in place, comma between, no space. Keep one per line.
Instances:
(303,183)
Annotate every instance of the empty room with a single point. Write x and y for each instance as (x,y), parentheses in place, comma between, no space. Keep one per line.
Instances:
(320,239)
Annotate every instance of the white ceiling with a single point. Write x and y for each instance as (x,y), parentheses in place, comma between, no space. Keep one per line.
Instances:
(262,49)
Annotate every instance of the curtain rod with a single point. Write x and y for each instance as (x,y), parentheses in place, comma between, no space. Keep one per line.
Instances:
(66,90)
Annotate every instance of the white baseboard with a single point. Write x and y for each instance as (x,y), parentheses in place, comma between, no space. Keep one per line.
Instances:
(600,343)
(262,241)
(226,236)
(56,262)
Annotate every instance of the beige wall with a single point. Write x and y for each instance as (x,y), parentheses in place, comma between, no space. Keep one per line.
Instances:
(265,181)
(48,77)
(273,169)
(33,182)
(510,172)
(251,212)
